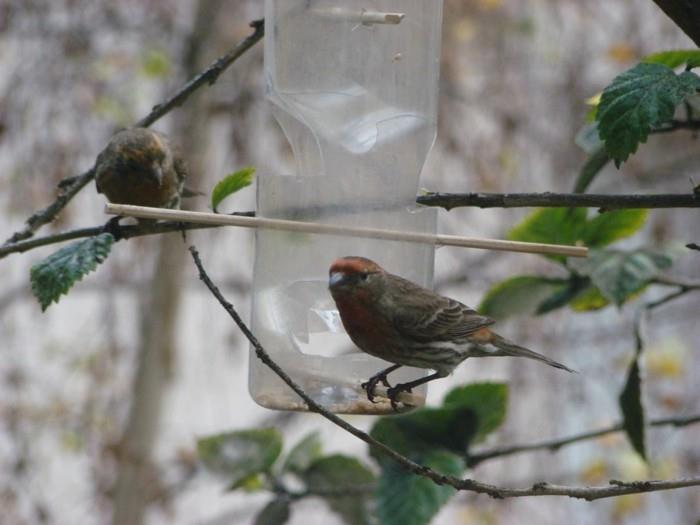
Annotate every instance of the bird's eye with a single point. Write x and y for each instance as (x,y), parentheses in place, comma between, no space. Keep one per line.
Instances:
(364,276)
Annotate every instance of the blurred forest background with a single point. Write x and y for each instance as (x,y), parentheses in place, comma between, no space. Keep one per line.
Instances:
(140,353)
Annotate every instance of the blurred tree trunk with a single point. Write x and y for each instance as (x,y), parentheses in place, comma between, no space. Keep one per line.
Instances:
(138,480)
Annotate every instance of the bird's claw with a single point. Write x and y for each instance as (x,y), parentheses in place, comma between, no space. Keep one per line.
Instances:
(393,394)
(369,385)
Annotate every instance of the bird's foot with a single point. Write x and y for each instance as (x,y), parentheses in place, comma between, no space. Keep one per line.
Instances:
(369,385)
(393,394)
(112,226)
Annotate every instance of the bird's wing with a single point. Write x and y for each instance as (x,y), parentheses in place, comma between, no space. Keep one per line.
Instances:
(423,315)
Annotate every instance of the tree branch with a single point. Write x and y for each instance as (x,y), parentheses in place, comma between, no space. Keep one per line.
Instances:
(447,201)
(121,232)
(686,15)
(68,190)
(615,488)
(553,445)
(555,200)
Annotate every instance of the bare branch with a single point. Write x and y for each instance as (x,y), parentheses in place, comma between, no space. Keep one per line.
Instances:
(208,76)
(556,200)
(553,445)
(615,488)
(70,187)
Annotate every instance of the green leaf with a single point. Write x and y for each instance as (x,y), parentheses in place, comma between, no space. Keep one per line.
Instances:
(551,225)
(619,274)
(467,415)
(349,478)
(488,400)
(155,64)
(304,453)
(611,226)
(589,299)
(274,513)
(632,409)
(638,100)
(230,185)
(241,454)
(407,499)
(56,274)
(575,285)
(520,295)
(675,58)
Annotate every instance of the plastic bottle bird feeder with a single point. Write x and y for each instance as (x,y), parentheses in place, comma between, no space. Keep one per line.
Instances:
(354,87)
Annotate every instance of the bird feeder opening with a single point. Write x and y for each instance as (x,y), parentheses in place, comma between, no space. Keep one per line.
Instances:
(354,87)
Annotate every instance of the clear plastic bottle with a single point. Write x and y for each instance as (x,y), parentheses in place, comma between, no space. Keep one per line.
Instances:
(354,86)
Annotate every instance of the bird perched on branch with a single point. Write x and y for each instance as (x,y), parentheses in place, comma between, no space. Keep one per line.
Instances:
(141,167)
(396,320)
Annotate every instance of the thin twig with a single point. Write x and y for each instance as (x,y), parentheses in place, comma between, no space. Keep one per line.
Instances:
(558,200)
(208,76)
(673,125)
(615,488)
(553,445)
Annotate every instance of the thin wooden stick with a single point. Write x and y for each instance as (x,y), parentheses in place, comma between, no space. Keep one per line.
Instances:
(143,212)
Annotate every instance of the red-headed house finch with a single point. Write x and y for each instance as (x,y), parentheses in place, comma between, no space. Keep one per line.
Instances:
(140,166)
(396,320)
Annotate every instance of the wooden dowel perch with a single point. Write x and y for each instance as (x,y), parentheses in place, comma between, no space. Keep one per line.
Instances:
(143,212)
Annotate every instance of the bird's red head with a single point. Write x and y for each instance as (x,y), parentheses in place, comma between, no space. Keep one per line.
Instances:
(349,273)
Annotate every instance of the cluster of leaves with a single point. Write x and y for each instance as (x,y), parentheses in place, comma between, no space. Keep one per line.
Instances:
(439,437)
(607,276)
(636,103)
(55,276)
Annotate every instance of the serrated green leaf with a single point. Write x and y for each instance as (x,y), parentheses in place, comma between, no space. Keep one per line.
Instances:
(407,499)
(56,274)
(632,409)
(304,453)
(276,512)
(241,454)
(520,295)
(638,100)
(488,400)
(350,479)
(675,58)
(552,226)
(611,226)
(619,274)
(230,185)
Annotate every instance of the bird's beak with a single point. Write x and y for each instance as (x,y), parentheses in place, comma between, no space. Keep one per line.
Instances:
(335,279)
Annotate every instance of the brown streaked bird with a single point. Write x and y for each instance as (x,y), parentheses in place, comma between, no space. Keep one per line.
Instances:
(396,320)
(140,166)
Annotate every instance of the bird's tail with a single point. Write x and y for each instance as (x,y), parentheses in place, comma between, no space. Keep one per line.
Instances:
(509,348)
